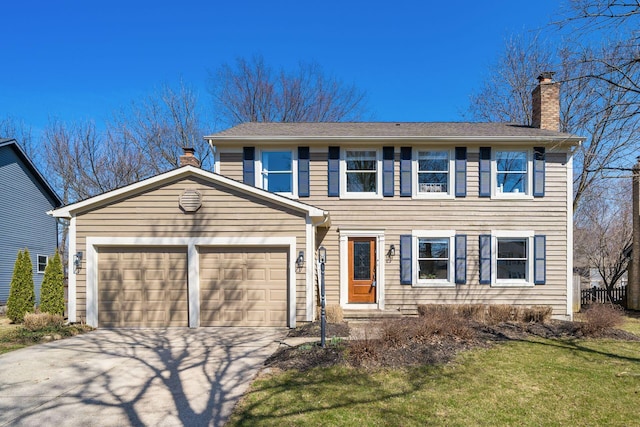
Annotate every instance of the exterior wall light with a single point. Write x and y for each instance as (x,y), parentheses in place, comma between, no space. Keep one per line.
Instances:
(391,252)
(300,260)
(77,260)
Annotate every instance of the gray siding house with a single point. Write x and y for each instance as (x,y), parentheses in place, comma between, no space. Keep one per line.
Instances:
(25,197)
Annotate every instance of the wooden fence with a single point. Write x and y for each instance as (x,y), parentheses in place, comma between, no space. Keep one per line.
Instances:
(619,295)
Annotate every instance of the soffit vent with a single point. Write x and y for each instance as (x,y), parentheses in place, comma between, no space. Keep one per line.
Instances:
(190,200)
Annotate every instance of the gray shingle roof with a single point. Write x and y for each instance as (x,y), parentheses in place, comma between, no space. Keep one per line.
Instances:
(388,129)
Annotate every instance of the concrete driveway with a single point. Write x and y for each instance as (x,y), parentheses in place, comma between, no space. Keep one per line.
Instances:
(150,377)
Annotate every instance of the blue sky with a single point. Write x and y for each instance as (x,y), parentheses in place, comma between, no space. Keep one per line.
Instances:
(416,60)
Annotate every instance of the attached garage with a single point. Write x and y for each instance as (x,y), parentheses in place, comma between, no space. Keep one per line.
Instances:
(191,248)
(243,286)
(142,287)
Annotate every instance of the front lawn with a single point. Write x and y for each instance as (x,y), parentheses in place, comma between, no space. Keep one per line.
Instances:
(528,381)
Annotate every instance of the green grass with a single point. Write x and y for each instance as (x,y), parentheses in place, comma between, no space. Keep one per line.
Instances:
(632,324)
(522,383)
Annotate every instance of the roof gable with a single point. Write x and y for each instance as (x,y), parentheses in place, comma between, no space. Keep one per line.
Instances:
(181,173)
(12,144)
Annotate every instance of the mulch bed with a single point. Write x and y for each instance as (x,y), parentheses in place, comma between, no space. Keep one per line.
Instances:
(436,350)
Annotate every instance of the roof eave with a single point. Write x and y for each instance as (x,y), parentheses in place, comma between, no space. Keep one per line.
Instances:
(570,140)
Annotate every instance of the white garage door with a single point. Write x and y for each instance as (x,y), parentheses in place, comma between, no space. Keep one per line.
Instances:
(142,287)
(243,286)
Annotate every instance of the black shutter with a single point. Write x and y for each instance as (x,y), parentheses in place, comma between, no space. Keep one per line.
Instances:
(461,171)
(461,259)
(303,171)
(539,260)
(333,173)
(538,171)
(248,165)
(485,259)
(406,263)
(405,171)
(485,172)
(387,171)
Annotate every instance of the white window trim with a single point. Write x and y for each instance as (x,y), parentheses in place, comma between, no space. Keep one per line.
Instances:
(344,269)
(38,271)
(343,175)
(525,234)
(450,194)
(294,170)
(438,234)
(494,176)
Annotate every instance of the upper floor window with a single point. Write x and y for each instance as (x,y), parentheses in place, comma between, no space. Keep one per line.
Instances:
(361,172)
(42,263)
(277,172)
(512,175)
(433,173)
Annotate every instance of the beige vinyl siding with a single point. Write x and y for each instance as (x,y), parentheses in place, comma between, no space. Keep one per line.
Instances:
(225,212)
(470,215)
(231,165)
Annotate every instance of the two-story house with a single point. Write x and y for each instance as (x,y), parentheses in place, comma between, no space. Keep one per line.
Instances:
(408,213)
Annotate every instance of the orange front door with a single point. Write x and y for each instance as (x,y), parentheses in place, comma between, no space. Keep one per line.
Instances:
(362,270)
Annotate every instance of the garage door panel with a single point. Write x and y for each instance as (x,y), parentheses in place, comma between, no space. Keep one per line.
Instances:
(243,286)
(142,287)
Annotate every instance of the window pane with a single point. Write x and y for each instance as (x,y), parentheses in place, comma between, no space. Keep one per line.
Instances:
(278,182)
(433,161)
(512,182)
(511,161)
(433,248)
(432,182)
(512,269)
(276,161)
(512,248)
(361,160)
(364,182)
(429,269)
(361,261)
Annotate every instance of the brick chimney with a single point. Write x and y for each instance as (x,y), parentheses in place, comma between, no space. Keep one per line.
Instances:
(546,103)
(188,158)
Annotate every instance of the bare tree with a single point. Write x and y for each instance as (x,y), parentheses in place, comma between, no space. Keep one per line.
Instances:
(251,91)
(603,232)
(12,127)
(595,109)
(159,126)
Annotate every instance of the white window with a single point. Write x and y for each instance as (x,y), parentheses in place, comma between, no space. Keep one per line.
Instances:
(42,261)
(432,173)
(277,172)
(511,173)
(512,257)
(433,257)
(361,177)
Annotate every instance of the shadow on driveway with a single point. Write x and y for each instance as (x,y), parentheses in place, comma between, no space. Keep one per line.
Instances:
(164,377)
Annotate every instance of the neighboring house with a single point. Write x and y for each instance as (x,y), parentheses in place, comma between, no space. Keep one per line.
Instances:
(409,214)
(25,197)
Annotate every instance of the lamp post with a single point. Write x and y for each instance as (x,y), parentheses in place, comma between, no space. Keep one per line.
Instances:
(322,257)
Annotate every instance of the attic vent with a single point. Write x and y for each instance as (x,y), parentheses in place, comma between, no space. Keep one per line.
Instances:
(190,200)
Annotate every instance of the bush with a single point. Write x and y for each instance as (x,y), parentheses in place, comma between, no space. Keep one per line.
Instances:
(535,314)
(38,321)
(52,293)
(21,294)
(498,313)
(333,312)
(598,317)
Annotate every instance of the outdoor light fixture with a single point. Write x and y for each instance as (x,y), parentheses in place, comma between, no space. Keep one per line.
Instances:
(77,260)
(392,251)
(300,259)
